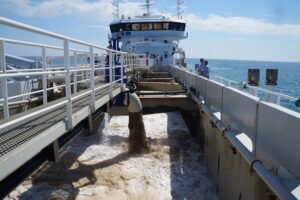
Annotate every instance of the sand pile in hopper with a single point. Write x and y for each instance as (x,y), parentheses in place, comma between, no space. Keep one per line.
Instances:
(99,166)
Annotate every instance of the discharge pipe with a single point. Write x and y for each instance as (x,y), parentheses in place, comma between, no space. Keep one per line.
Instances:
(137,140)
(133,102)
(129,99)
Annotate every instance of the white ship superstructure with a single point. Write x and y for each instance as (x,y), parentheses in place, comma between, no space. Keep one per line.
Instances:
(156,36)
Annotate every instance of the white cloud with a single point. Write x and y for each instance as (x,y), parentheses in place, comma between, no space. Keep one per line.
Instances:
(96,11)
(100,12)
(241,25)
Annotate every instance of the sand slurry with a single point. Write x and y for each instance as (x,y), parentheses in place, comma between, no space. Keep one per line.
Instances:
(99,166)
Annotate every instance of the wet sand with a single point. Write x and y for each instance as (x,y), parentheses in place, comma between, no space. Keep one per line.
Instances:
(99,166)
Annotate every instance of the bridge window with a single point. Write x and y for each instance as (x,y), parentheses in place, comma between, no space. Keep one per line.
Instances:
(181,27)
(127,27)
(173,26)
(157,26)
(136,27)
(166,26)
(146,26)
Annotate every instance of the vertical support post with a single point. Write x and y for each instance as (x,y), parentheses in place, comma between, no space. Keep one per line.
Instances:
(68,84)
(255,91)
(278,100)
(75,73)
(122,69)
(90,122)
(110,74)
(4,80)
(54,151)
(268,95)
(92,78)
(113,67)
(82,72)
(44,76)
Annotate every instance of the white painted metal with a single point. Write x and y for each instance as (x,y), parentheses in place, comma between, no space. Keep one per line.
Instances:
(253,90)
(276,129)
(278,136)
(92,78)
(44,76)
(4,80)
(110,74)
(214,95)
(68,84)
(75,73)
(239,111)
(32,29)
(122,68)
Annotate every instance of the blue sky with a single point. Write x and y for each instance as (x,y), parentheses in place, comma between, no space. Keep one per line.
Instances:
(226,29)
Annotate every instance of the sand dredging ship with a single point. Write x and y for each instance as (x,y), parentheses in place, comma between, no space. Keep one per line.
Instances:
(207,140)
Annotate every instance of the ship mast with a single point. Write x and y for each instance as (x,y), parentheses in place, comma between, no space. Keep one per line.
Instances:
(179,9)
(116,10)
(147,5)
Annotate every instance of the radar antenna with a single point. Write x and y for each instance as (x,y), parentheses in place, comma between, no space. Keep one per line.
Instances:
(179,9)
(148,5)
(116,10)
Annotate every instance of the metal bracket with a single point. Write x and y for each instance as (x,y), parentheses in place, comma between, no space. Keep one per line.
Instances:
(252,164)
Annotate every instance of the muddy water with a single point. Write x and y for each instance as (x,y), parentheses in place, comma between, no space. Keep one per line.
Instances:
(137,134)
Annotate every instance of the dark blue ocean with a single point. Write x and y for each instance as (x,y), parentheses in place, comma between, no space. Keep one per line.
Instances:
(288,73)
(237,70)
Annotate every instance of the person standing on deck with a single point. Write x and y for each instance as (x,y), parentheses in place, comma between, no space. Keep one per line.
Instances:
(200,68)
(107,62)
(206,69)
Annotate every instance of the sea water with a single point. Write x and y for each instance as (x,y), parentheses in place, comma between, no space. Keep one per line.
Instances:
(288,74)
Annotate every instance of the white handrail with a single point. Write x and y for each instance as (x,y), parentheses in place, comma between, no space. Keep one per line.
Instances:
(33,29)
(220,79)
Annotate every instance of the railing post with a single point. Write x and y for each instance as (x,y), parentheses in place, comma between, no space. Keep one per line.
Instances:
(44,76)
(278,100)
(68,84)
(4,80)
(92,78)
(113,67)
(122,69)
(75,73)
(110,74)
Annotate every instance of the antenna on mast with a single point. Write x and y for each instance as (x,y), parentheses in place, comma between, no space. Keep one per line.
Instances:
(179,9)
(116,10)
(147,5)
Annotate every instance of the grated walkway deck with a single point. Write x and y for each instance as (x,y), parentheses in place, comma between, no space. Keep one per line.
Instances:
(17,134)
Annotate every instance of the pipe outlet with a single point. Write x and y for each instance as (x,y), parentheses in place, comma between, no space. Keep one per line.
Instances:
(133,103)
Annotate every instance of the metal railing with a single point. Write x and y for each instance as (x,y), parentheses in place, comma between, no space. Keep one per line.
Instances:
(231,123)
(263,94)
(256,91)
(71,73)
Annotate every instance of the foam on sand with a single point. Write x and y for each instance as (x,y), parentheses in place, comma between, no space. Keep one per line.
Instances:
(100,167)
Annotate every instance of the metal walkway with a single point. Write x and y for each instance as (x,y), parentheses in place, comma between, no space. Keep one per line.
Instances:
(24,135)
(16,140)
(15,135)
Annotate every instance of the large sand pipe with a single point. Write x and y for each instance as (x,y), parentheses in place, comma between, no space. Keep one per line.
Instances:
(137,135)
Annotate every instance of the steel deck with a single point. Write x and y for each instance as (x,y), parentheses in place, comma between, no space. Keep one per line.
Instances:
(15,135)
